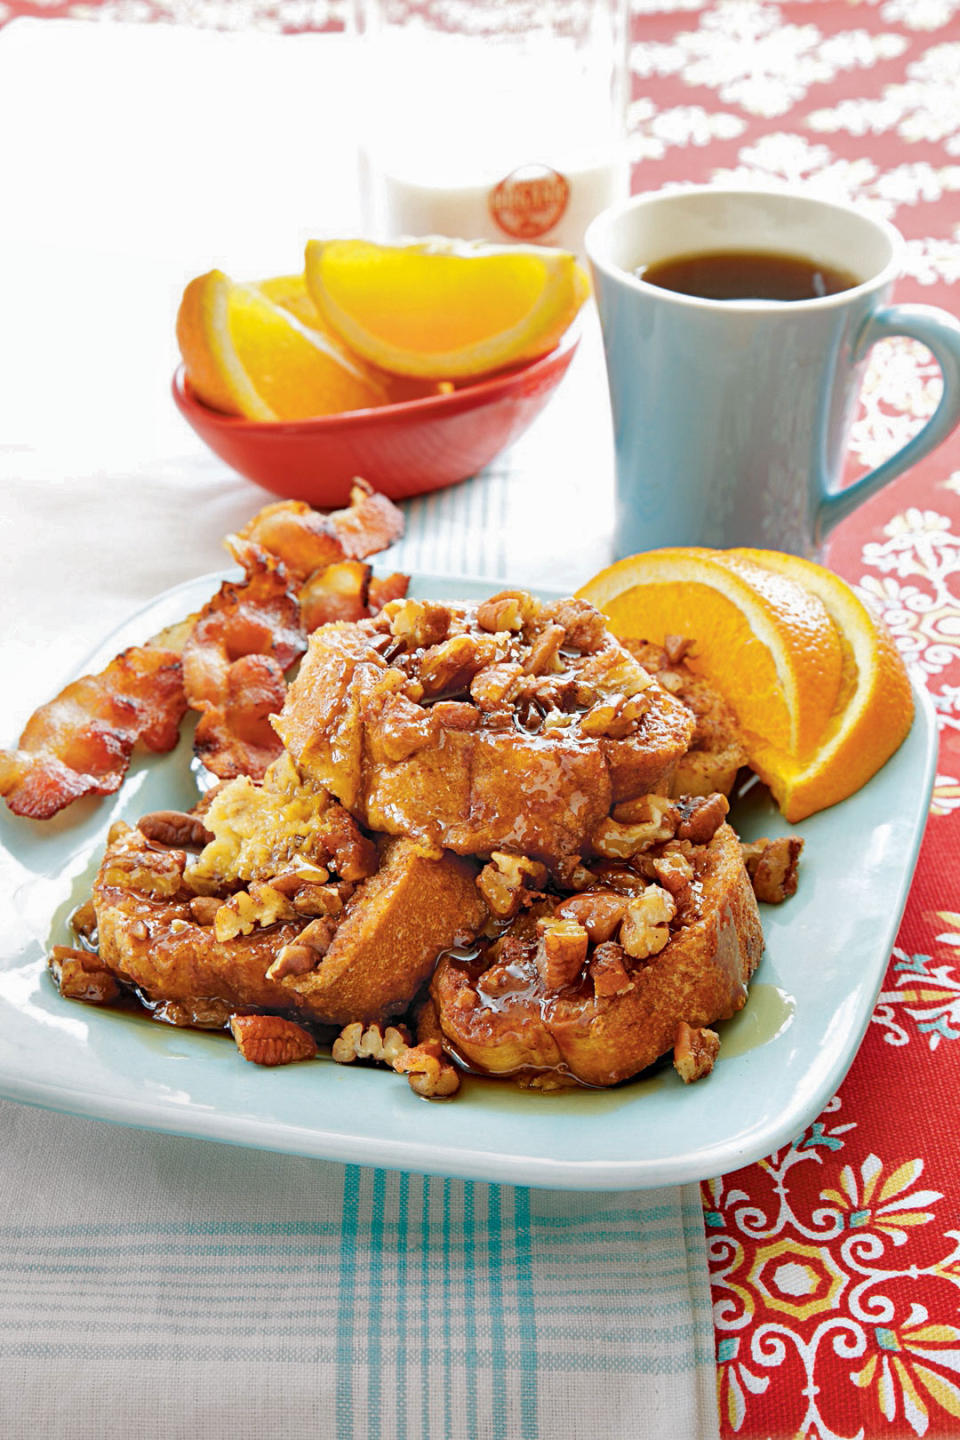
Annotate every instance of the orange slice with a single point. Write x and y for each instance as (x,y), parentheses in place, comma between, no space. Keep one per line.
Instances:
(291,293)
(767,643)
(246,355)
(442,308)
(874,709)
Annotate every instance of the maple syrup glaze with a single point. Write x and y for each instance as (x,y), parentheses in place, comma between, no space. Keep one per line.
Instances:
(747,275)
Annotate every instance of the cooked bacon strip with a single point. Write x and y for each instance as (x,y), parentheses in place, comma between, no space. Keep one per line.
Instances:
(80,743)
(306,540)
(387,587)
(233,664)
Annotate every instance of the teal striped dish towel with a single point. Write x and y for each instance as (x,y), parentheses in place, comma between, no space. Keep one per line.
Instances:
(152,1286)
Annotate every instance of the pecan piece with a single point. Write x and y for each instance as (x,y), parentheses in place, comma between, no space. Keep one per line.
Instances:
(673,870)
(427,1070)
(772,867)
(305,953)
(510,881)
(646,923)
(271,1040)
(675,648)
(244,911)
(176,828)
(635,826)
(608,971)
(701,816)
(507,610)
(694,1052)
(600,914)
(204,908)
(544,650)
(561,951)
(417,623)
(81,976)
(496,685)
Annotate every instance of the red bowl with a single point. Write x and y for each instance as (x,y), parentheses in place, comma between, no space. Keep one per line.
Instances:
(403,449)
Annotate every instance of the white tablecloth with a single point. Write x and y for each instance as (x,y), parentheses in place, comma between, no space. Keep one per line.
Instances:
(154,1286)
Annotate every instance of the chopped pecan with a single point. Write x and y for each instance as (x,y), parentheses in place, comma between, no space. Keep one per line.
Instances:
(694,1052)
(561,951)
(176,828)
(83,921)
(204,908)
(496,685)
(450,666)
(370,1042)
(428,1072)
(673,870)
(260,905)
(646,923)
(510,881)
(202,1013)
(585,627)
(675,647)
(544,650)
(772,867)
(507,610)
(304,954)
(670,680)
(318,900)
(608,970)
(599,913)
(271,1040)
(616,716)
(635,826)
(701,816)
(418,623)
(406,728)
(149,872)
(456,715)
(81,976)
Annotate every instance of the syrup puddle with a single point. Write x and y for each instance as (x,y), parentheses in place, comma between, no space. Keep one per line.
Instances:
(767,1013)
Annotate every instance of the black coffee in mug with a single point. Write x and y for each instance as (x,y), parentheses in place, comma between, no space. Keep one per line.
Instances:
(747,275)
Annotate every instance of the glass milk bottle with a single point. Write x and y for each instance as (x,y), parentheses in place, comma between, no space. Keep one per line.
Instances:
(500,120)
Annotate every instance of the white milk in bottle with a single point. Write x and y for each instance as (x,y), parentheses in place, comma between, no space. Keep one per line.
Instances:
(508,128)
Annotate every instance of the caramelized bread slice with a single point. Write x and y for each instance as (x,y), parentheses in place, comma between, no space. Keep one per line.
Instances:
(594,986)
(331,953)
(716,750)
(506,725)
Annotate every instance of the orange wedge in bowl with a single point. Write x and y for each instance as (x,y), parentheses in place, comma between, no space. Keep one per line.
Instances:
(767,644)
(290,293)
(246,355)
(874,710)
(444,309)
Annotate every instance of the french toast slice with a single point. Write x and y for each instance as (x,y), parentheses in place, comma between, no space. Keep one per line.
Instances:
(509,724)
(330,952)
(594,987)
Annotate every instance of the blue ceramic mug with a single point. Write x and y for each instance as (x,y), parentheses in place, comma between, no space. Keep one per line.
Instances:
(731,417)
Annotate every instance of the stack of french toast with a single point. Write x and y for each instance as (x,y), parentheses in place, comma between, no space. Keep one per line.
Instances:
(495,840)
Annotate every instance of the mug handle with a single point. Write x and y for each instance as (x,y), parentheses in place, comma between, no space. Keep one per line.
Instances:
(940,333)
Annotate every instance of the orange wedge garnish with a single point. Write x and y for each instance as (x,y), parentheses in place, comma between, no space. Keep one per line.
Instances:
(874,708)
(247,355)
(817,684)
(444,309)
(767,644)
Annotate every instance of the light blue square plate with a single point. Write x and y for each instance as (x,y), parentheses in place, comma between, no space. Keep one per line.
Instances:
(780,1060)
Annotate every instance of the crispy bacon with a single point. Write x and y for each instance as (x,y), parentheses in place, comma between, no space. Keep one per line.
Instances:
(233,664)
(234,653)
(80,743)
(306,540)
(387,587)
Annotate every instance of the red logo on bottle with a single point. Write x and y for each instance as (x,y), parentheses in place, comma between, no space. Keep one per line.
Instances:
(529,201)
